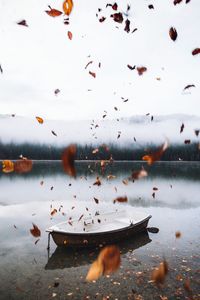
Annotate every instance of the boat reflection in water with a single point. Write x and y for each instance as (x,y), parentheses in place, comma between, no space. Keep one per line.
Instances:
(68,257)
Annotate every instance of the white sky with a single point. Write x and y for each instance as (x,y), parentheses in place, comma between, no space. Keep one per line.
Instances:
(40,58)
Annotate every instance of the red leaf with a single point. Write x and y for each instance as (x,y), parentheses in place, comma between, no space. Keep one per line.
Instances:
(173,33)
(159,274)
(35,231)
(68,158)
(92,74)
(127,26)
(69,35)
(53,12)
(117,17)
(141,70)
(196,51)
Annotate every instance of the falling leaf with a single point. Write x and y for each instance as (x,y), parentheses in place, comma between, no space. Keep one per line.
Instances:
(187,142)
(150,6)
(115,108)
(155,189)
(196,51)
(182,127)
(141,70)
(173,33)
(134,30)
(53,132)
(107,262)
(102,19)
(68,158)
(177,1)
(57,91)
(111,176)
(23,23)
(153,229)
(35,231)
(53,12)
(153,195)
(125,181)
(37,241)
(120,199)
(178,234)
(115,6)
(139,174)
(1,69)
(186,285)
(80,217)
(127,26)
(53,212)
(197,132)
(23,166)
(90,62)
(7,166)
(96,200)
(158,275)
(69,35)
(67,7)
(92,74)
(188,86)
(151,158)
(187,1)
(95,151)
(117,17)
(41,182)
(131,67)
(97,182)
(40,120)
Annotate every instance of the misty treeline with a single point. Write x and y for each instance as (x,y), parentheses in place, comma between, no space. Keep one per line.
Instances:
(13,151)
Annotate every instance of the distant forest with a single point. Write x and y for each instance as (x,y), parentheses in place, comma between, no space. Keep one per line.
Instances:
(189,152)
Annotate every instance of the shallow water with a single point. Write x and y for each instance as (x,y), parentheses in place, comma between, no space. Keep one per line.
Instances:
(28,271)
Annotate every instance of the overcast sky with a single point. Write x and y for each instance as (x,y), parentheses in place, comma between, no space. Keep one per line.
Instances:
(40,58)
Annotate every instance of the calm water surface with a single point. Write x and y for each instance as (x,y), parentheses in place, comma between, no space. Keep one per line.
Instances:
(28,271)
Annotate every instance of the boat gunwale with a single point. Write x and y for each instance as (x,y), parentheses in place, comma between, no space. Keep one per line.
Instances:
(102,232)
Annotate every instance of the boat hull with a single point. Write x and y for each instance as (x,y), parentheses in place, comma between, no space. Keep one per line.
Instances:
(100,238)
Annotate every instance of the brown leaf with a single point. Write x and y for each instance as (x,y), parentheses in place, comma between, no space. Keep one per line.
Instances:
(173,33)
(92,74)
(158,275)
(177,1)
(178,234)
(53,12)
(102,19)
(69,35)
(23,166)
(150,6)
(68,158)
(127,26)
(53,132)
(53,212)
(155,188)
(115,6)
(117,17)
(197,132)
(153,195)
(67,7)
(96,200)
(35,231)
(121,199)
(188,86)
(187,142)
(97,182)
(139,174)
(182,127)
(151,158)
(107,262)
(141,70)
(23,23)
(131,68)
(57,91)
(40,120)
(1,69)
(7,166)
(196,51)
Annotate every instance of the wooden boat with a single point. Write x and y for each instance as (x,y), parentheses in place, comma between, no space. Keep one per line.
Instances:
(99,229)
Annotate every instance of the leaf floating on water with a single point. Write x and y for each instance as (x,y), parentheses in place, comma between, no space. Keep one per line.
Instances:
(7,166)
(35,231)
(158,275)
(173,33)
(153,229)
(68,158)
(23,23)
(151,158)
(196,51)
(23,166)
(121,199)
(69,35)
(178,234)
(68,6)
(107,262)
(141,70)
(53,12)
(40,120)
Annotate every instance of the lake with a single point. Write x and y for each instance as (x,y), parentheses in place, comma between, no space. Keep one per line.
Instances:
(29,271)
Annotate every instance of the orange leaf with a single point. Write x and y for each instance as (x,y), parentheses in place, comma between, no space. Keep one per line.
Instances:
(68,157)
(53,12)
(35,231)
(141,70)
(69,35)
(53,212)
(178,234)
(151,158)
(7,166)
(158,275)
(23,166)
(120,199)
(67,6)
(40,120)
(107,262)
